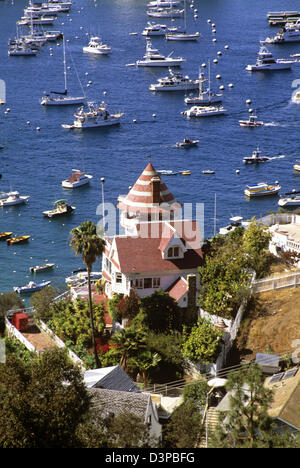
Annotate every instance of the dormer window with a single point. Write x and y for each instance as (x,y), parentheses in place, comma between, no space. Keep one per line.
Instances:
(173,252)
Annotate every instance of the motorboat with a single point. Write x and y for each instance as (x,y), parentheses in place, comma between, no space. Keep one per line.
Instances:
(41,268)
(76,179)
(31,287)
(5,235)
(296,167)
(153,58)
(96,46)
(251,122)
(5,195)
(43,9)
(255,158)
(235,222)
(261,189)
(62,208)
(291,199)
(205,111)
(289,33)
(36,20)
(14,199)
(187,143)
(174,82)
(94,116)
(56,98)
(165,13)
(154,29)
(265,62)
(205,96)
(164,3)
(17,240)
(281,17)
(81,277)
(296,97)
(208,171)
(21,48)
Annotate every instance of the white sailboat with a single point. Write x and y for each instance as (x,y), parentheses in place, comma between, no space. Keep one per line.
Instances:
(56,98)
(207,97)
(182,36)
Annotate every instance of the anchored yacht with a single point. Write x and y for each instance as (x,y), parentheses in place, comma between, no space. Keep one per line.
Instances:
(153,58)
(174,82)
(265,61)
(94,116)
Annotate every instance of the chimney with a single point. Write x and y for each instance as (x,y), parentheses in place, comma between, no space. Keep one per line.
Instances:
(155,187)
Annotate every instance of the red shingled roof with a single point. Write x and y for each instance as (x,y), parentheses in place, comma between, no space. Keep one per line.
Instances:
(178,289)
(143,254)
(140,197)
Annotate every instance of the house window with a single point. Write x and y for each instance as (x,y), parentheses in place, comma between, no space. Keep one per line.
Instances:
(137,283)
(173,252)
(118,277)
(147,283)
(156,282)
(107,265)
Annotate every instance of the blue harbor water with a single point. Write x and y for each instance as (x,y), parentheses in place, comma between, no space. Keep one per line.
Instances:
(34,162)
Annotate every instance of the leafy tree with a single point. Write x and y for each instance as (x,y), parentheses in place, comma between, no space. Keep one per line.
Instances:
(256,241)
(162,312)
(130,342)
(127,430)
(145,361)
(16,349)
(70,320)
(184,428)
(41,403)
(41,301)
(86,242)
(196,392)
(129,306)
(222,278)
(169,347)
(203,343)
(8,301)
(112,309)
(247,422)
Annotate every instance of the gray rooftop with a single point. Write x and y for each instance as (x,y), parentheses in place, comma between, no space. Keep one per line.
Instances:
(110,378)
(117,402)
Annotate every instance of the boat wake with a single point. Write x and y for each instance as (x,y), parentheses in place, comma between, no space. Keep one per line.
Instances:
(280,156)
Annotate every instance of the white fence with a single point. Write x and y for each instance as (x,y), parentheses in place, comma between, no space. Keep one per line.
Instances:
(288,280)
(12,331)
(61,344)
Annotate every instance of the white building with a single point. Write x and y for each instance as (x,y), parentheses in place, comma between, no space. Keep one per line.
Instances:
(154,253)
(286,237)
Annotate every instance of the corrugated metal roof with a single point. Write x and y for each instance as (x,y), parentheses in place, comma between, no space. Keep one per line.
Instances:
(110,378)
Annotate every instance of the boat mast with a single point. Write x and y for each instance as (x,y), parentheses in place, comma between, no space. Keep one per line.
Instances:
(209,91)
(215,215)
(65,67)
(184,16)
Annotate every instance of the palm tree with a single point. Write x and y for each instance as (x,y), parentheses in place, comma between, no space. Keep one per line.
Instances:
(86,242)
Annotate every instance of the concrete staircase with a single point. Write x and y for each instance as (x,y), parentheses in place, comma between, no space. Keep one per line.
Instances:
(211,423)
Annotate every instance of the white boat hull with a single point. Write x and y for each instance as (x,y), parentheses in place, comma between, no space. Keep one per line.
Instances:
(277,66)
(289,201)
(95,51)
(182,37)
(70,185)
(159,63)
(203,102)
(64,101)
(187,87)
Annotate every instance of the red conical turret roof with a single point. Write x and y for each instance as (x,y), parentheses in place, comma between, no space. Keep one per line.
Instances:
(148,193)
